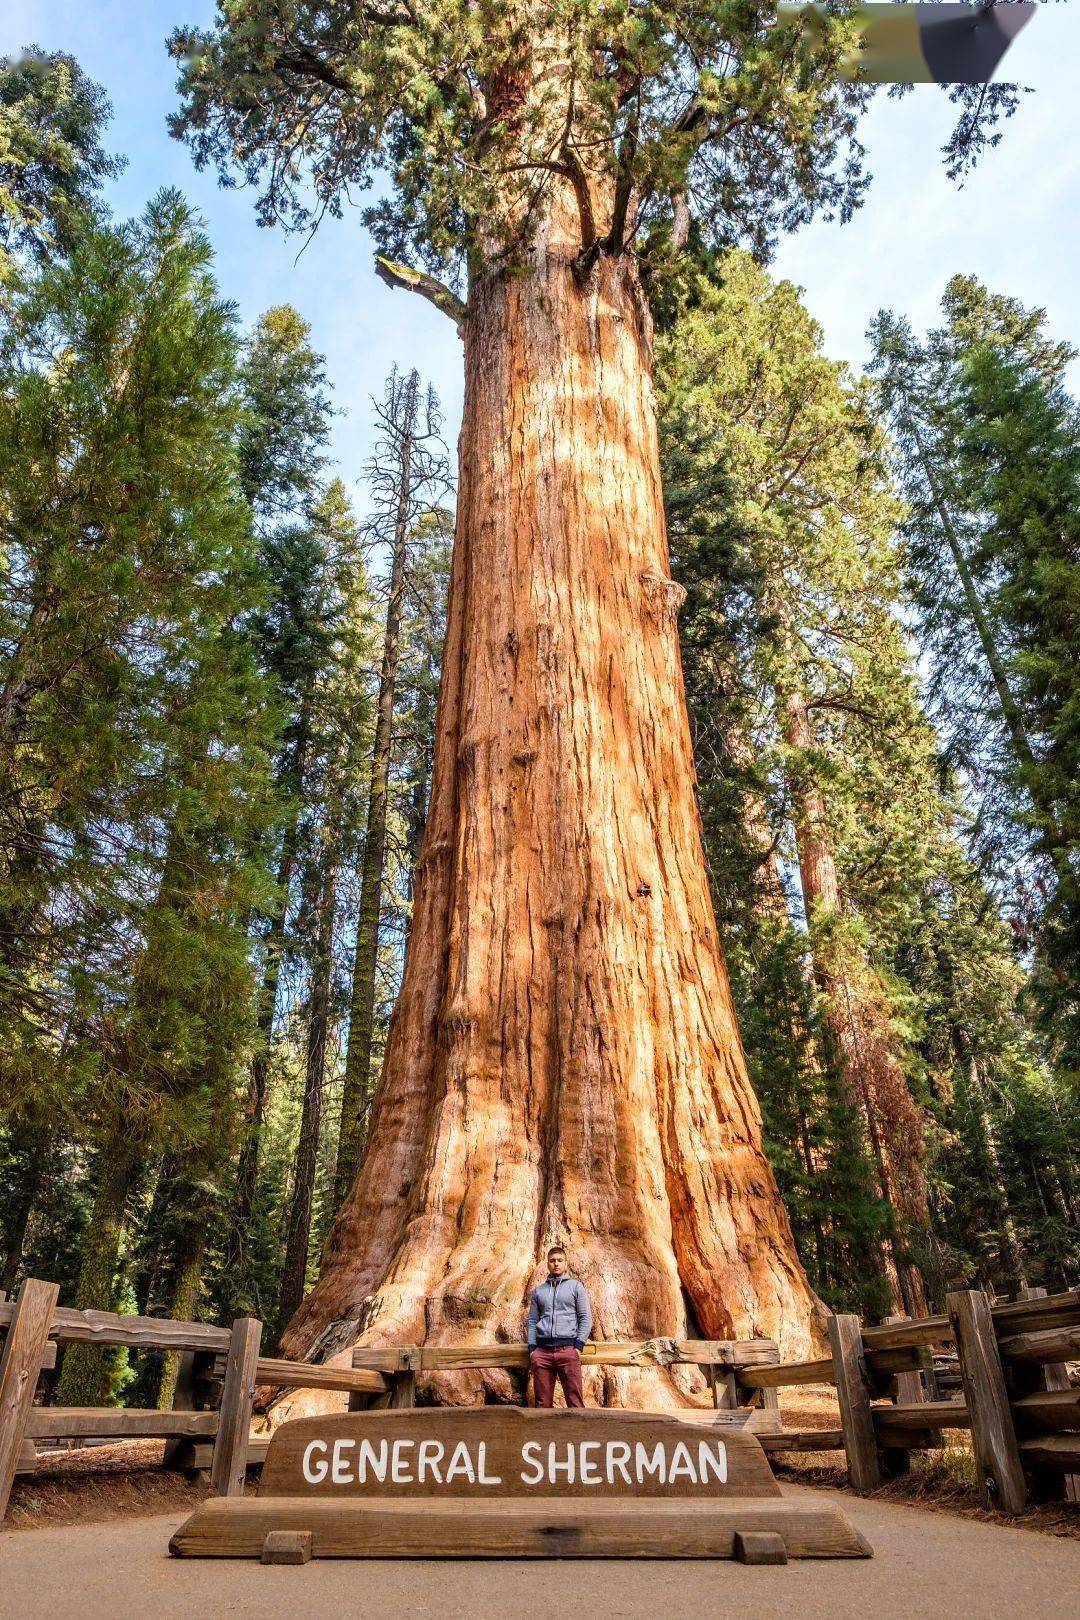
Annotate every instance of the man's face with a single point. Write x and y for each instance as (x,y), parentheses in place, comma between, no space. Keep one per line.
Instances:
(556,1263)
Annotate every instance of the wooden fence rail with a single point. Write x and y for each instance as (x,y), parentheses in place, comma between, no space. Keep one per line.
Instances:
(32,1325)
(1018,1402)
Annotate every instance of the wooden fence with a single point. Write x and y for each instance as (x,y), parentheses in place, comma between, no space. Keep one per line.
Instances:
(1017,1400)
(1015,1394)
(221,1364)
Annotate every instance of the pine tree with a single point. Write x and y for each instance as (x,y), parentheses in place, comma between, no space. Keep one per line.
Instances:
(284,428)
(409,478)
(811,601)
(336,808)
(131,707)
(986,444)
(1020,451)
(52,163)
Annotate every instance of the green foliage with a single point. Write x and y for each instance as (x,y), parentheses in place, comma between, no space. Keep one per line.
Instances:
(988,447)
(782,523)
(286,420)
(461,117)
(51,158)
(127,553)
(1019,451)
(136,722)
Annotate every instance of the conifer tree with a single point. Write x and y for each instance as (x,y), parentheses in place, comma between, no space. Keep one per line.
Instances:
(409,478)
(809,491)
(335,809)
(987,448)
(131,711)
(284,429)
(52,162)
(536,156)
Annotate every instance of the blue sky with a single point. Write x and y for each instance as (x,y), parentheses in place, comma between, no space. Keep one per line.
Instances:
(1016,223)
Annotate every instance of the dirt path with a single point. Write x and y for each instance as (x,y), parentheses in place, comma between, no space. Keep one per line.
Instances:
(925,1564)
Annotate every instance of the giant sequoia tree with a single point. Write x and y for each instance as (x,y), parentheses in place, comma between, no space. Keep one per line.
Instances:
(564,1060)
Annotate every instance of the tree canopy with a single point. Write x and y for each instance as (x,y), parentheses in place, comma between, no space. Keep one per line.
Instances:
(52,161)
(458,116)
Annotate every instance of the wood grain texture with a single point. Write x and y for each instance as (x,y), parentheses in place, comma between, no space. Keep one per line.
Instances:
(786,1373)
(1042,1349)
(759,1547)
(802,1440)
(229,1469)
(504,1431)
(609,1353)
(1014,1316)
(856,1416)
(462,1528)
(1040,1372)
(199,1454)
(137,1332)
(309,1375)
(1050,1409)
(922,1415)
(920,1330)
(29,1320)
(1035,1315)
(48,1354)
(993,1437)
(122,1423)
(287,1547)
(1058,1451)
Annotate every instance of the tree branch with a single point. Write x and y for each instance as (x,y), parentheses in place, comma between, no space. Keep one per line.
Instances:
(418,281)
(680,220)
(305,63)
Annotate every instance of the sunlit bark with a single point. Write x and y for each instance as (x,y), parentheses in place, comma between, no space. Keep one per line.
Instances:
(563,1061)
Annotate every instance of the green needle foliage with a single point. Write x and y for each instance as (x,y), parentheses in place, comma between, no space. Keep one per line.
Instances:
(135,719)
(988,450)
(458,116)
(52,162)
(783,526)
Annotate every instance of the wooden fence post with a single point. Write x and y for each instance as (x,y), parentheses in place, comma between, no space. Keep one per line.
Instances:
(403,1382)
(24,1347)
(993,1437)
(909,1391)
(725,1391)
(1048,1485)
(852,1391)
(229,1467)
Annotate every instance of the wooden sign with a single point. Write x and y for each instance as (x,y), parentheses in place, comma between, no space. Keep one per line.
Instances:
(511,1483)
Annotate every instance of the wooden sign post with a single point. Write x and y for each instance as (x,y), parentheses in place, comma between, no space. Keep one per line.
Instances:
(501,1482)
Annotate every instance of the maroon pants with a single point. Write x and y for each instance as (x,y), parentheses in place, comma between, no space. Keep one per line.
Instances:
(565,1365)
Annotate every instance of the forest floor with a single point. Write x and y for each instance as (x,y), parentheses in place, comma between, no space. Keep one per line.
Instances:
(102,1483)
(923,1564)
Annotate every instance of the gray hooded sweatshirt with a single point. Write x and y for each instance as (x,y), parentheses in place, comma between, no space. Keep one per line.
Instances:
(559,1314)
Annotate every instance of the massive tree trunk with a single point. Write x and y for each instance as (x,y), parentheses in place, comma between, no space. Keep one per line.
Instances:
(563,1062)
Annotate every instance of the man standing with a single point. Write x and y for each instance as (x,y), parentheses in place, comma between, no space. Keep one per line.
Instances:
(560,1320)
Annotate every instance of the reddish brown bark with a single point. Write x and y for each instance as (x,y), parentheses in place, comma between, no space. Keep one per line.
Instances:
(563,1061)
